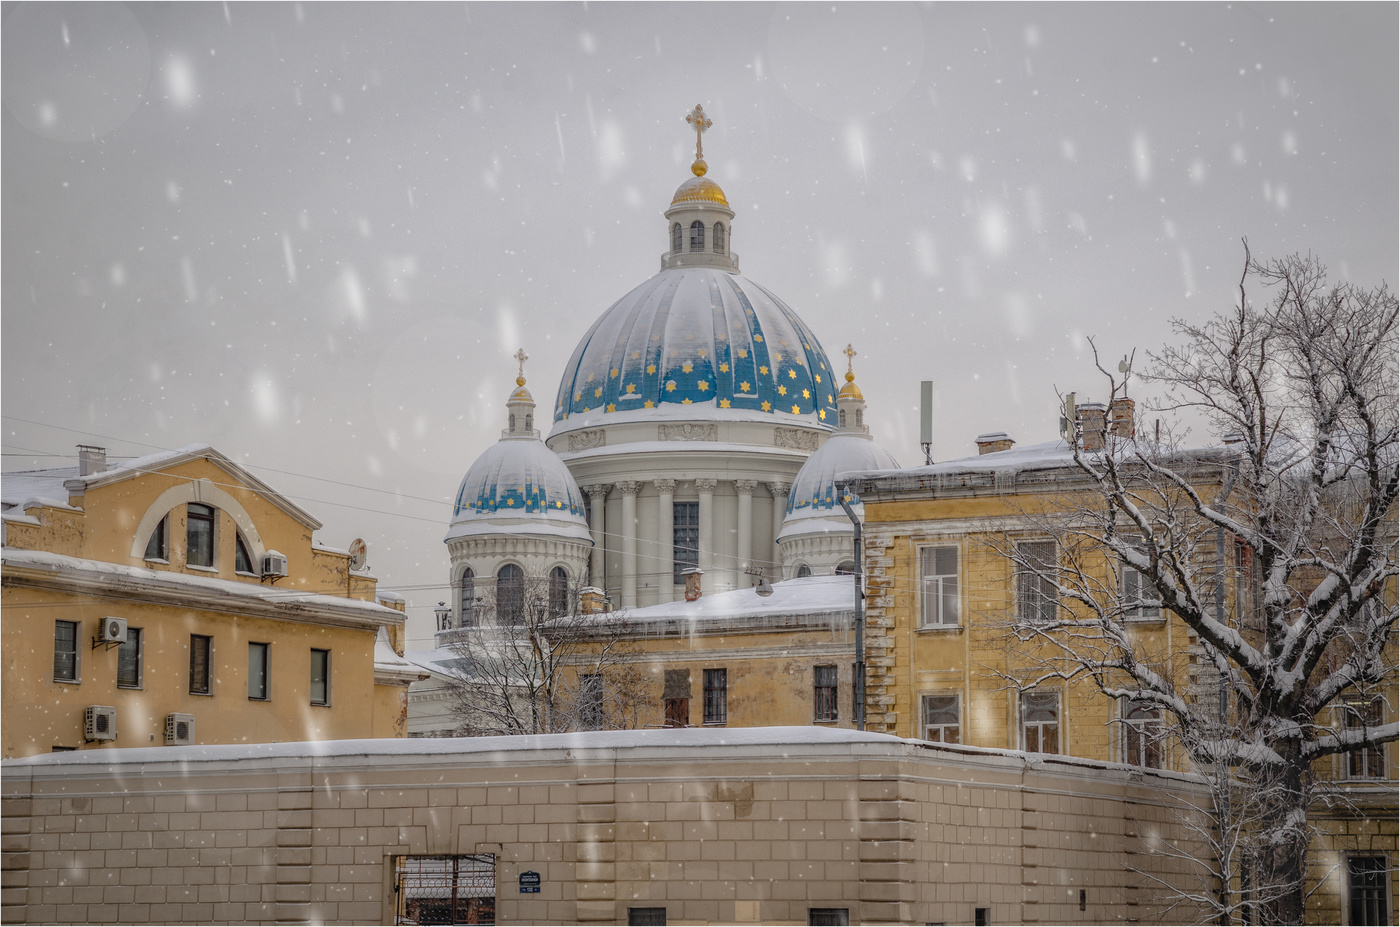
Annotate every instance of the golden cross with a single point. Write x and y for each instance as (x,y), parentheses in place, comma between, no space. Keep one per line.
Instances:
(697,118)
(850,353)
(522,357)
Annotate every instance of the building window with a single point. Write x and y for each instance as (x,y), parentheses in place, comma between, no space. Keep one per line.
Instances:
(1036,599)
(510,595)
(558,592)
(685,533)
(939,583)
(719,238)
(199,664)
(156,547)
(199,536)
(647,917)
(804,571)
(590,701)
(1365,762)
(467,588)
(1142,735)
(841,418)
(676,238)
(697,236)
(941,721)
(320,677)
(828,917)
(65,651)
(1140,600)
(824,693)
(242,562)
(1366,890)
(257,671)
(129,660)
(1040,722)
(716,696)
(846,568)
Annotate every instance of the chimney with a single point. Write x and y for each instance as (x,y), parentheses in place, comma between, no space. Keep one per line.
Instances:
(994,441)
(591,601)
(1121,421)
(692,583)
(91,459)
(1092,425)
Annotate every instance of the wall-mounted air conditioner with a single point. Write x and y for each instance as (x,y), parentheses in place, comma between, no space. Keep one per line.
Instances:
(100,722)
(274,564)
(113,631)
(179,729)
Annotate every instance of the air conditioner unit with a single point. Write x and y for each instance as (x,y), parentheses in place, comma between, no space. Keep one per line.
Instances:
(100,722)
(274,564)
(113,631)
(179,729)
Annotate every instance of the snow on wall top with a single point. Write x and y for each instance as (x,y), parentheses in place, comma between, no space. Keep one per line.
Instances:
(811,595)
(697,337)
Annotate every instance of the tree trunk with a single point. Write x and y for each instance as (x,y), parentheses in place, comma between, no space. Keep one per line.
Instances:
(1284,847)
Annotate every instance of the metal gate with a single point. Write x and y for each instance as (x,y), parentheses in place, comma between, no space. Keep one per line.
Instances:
(445,889)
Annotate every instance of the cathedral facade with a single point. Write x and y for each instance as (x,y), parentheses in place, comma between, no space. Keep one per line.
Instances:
(698,425)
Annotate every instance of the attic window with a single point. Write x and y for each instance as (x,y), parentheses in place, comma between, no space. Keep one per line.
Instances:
(156,548)
(199,537)
(242,562)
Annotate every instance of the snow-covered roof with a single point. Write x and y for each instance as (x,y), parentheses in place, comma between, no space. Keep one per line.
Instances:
(51,486)
(699,341)
(389,666)
(810,595)
(169,587)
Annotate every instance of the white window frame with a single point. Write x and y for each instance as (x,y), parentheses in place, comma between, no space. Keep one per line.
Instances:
(1024,725)
(1139,598)
(1358,708)
(926,726)
(933,588)
(213,565)
(1148,731)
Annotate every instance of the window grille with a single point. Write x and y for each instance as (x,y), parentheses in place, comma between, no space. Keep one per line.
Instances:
(1366,887)
(445,889)
(1035,584)
(716,696)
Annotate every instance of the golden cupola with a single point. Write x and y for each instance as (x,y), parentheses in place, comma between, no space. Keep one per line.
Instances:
(699,220)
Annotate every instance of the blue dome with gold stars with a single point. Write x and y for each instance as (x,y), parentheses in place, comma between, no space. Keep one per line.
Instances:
(519,486)
(697,337)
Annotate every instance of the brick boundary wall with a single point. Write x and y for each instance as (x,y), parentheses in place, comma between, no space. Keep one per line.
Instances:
(742,826)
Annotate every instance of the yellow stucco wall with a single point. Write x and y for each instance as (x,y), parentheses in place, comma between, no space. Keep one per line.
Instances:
(42,713)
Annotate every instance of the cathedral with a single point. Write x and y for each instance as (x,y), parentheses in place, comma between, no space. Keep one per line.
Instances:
(699,425)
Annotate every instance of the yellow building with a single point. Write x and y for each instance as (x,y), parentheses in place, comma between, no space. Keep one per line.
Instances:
(176,598)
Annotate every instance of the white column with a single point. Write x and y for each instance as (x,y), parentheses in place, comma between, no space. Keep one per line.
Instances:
(665,564)
(629,488)
(780,494)
(745,490)
(706,489)
(597,493)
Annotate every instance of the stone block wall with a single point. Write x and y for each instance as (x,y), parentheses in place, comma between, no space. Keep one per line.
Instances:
(754,826)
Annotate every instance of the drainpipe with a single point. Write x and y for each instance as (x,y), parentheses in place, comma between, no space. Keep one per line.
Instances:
(842,491)
(1224,689)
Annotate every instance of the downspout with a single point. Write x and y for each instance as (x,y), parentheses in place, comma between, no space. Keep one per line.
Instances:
(842,492)
(1225,918)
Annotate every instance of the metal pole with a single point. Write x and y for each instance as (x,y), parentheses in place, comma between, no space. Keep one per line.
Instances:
(842,491)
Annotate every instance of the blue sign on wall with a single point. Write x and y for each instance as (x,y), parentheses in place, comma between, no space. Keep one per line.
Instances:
(529,883)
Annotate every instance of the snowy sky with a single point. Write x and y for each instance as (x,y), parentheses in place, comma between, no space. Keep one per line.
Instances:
(313,234)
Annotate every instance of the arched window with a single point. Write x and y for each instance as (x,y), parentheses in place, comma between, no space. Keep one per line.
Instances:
(558,592)
(845,568)
(512,422)
(529,422)
(719,238)
(467,608)
(510,595)
(804,571)
(697,236)
(841,418)
(242,562)
(859,418)
(676,238)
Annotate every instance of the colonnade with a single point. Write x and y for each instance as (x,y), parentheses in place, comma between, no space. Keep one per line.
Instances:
(623,539)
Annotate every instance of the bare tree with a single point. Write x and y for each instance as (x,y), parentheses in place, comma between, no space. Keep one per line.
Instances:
(530,662)
(1294,657)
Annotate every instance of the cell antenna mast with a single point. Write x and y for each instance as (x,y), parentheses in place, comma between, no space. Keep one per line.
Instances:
(926,418)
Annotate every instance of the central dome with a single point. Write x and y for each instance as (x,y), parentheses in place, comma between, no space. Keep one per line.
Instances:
(693,339)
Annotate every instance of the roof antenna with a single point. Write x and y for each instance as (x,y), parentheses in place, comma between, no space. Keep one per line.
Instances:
(926,419)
